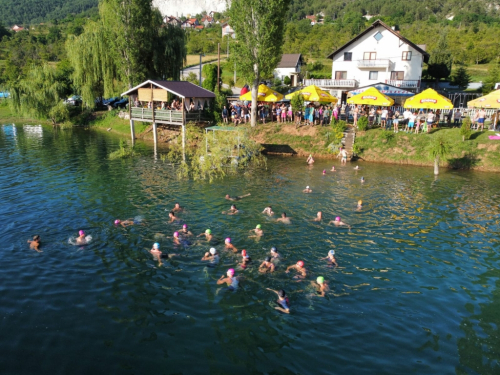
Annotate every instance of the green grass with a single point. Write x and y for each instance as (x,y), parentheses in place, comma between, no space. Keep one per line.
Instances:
(106,120)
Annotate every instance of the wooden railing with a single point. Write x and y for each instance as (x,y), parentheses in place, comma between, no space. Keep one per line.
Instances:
(166,115)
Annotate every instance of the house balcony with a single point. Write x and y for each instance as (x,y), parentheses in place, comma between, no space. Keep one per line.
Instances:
(332,83)
(373,64)
(404,83)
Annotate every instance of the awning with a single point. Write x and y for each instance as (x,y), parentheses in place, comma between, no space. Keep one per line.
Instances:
(385,89)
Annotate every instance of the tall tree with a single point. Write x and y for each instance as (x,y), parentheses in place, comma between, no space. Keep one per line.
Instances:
(439,148)
(441,59)
(40,94)
(461,78)
(259,27)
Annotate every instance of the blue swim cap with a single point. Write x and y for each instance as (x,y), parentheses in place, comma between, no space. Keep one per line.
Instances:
(156,245)
(331,252)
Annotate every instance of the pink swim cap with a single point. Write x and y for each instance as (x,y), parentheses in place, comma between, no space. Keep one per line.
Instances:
(324,170)
(176,234)
(81,233)
(117,221)
(228,240)
(185,226)
(230,271)
(337,218)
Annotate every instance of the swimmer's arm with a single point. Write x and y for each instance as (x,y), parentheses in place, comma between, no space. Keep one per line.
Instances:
(289,268)
(272,267)
(272,290)
(243,196)
(331,221)
(286,311)
(222,280)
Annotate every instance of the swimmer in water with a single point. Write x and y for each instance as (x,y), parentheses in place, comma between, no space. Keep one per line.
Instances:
(157,254)
(360,205)
(333,169)
(274,253)
(229,245)
(36,243)
(212,256)
(357,167)
(233,210)
(337,222)
(80,240)
(321,286)
(229,279)
(331,258)
(172,217)
(362,179)
(299,267)
(283,302)
(307,190)
(185,232)
(324,172)
(245,259)
(310,160)
(207,234)
(319,216)
(268,211)
(258,231)
(177,208)
(266,266)
(237,198)
(284,219)
(124,223)
(177,240)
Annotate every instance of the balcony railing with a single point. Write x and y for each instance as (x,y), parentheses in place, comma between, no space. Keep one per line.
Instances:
(166,116)
(382,63)
(404,83)
(351,83)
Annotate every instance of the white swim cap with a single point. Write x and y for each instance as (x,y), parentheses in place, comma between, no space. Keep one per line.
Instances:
(307,187)
(331,252)
(213,251)
(156,245)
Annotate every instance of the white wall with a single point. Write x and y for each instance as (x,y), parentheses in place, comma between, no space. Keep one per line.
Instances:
(282,72)
(389,47)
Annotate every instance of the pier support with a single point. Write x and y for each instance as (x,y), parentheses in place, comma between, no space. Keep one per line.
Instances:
(155,133)
(184,142)
(132,131)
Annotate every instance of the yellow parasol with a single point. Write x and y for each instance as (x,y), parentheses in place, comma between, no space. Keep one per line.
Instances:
(313,93)
(492,100)
(371,96)
(265,94)
(428,99)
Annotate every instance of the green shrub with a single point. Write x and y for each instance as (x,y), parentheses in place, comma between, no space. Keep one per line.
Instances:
(287,80)
(465,130)
(363,123)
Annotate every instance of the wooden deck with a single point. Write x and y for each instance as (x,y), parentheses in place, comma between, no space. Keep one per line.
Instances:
(162,116)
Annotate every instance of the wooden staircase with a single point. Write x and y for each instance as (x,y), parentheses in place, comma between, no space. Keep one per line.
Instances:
(348,142)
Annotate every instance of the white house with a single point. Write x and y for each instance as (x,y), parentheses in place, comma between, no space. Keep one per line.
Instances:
(290,66)
(227,30)
(377,55)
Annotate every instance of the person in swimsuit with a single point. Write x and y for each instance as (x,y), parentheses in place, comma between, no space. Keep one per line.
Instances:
(124,223)
(362,179)
(310,160)
(299,267)
(172,217)
(231,280)
(177,240)
(321,286)
(245,261)
(284,219)
(212,256)
(343,152)
(331,258)
(357,167)
(307,190)
(229,245)
(360,205)
(333,169)
(319,216)
(177,208)
(258,231)
(80,240)
(337,222)
(207,234)
(35,243)
(185,232)
(268,211)
(283,302)
(157,254)
(233,210)
(266,266)
(236,198)
(274,253)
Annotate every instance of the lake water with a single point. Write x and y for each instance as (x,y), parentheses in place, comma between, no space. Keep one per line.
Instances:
(416,290)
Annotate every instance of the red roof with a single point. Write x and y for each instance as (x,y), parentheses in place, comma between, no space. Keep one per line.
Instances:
(192,20)
(313,17)
(199,27)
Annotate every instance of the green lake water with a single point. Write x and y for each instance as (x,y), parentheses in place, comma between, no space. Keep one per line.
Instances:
(416,290)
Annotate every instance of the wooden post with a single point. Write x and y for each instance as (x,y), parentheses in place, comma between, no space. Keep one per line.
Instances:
(155,134)
(152,104)
(132,131)
(183,130)
(218,67)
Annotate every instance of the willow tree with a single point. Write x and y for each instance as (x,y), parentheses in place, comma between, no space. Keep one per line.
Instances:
(259,27)
(39,94)
(439,148)
(126,46)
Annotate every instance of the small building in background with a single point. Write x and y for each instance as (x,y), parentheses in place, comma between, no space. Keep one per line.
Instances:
(17,28)
(207,21)
(227,30)
(171,20)
(290,66)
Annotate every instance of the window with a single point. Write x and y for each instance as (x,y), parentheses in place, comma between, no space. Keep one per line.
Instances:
(373,75)
(397,76)
(370,56)
(347,56)
(406,56)
(378,36)
(340,75)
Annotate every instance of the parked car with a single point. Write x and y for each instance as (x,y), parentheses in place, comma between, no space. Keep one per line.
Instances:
(122,103)
(74,100)
(110,101)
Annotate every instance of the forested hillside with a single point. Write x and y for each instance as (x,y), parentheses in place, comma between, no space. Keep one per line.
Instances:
(36,11)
